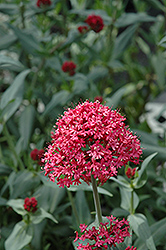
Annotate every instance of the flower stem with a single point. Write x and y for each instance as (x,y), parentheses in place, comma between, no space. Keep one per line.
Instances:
(96,200)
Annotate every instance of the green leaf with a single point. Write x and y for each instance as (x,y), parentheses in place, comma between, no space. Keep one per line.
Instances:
(40,215)
(126,199)
(97,73)
(123,41)
(159,64)
(147,138)
(139,224)
(140,181)
(156,4)
(150,149)
(17,205)
(114,100)
(80,84)
(7,40)
(122,182)
(160,192)
(7,62)
(163,42)
(21,183)
(3,201)
(26,124)
(84,186)
(10,109)
(4,170)
(82,208)
(15,90)
(60,98)
(115,64)
(133,18)
(20,236)
(158,230)
(27,40)
(73,36)
(9,9)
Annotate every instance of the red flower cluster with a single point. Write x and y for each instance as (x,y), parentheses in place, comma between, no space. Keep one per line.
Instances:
(107,234)
(130,172)
(131,248)
(69,67)
(37,155)
(43,3)
(95,22)
(82,29)
(98,98)
(30,204)
(89,140)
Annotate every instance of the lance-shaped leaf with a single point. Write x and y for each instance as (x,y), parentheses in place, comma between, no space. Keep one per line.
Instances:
(139,224)
(20,236)
(15,90)
(142,178)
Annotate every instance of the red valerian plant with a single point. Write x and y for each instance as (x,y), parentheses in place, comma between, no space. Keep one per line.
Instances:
(43,3)
(69,67)
(130,172)
(131,248)
(37,155)
(90,139)
(95,22)
(107,234)
(30,204)
(82,29)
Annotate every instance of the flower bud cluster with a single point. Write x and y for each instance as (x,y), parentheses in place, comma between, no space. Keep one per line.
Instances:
(30,204)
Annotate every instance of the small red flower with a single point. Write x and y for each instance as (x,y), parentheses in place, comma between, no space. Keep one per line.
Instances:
(30,204)
(95,22)
(98,98)
(107,234)
(37,155)
(82,29)
(34,154)
(130,172)
(131,248)
(43,3)
(69,67)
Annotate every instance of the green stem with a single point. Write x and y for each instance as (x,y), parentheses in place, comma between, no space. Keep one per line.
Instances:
(22,10)
(96,200)
(12,147)
(132,200)
(74,208)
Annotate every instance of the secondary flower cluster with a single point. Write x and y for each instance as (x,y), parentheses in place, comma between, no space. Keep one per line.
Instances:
(30,204)
(131,248)
(95,22)
(69,67)
(43,3)
(107,234)
(82,29)
(90,139)
(130,172)
(37,155)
